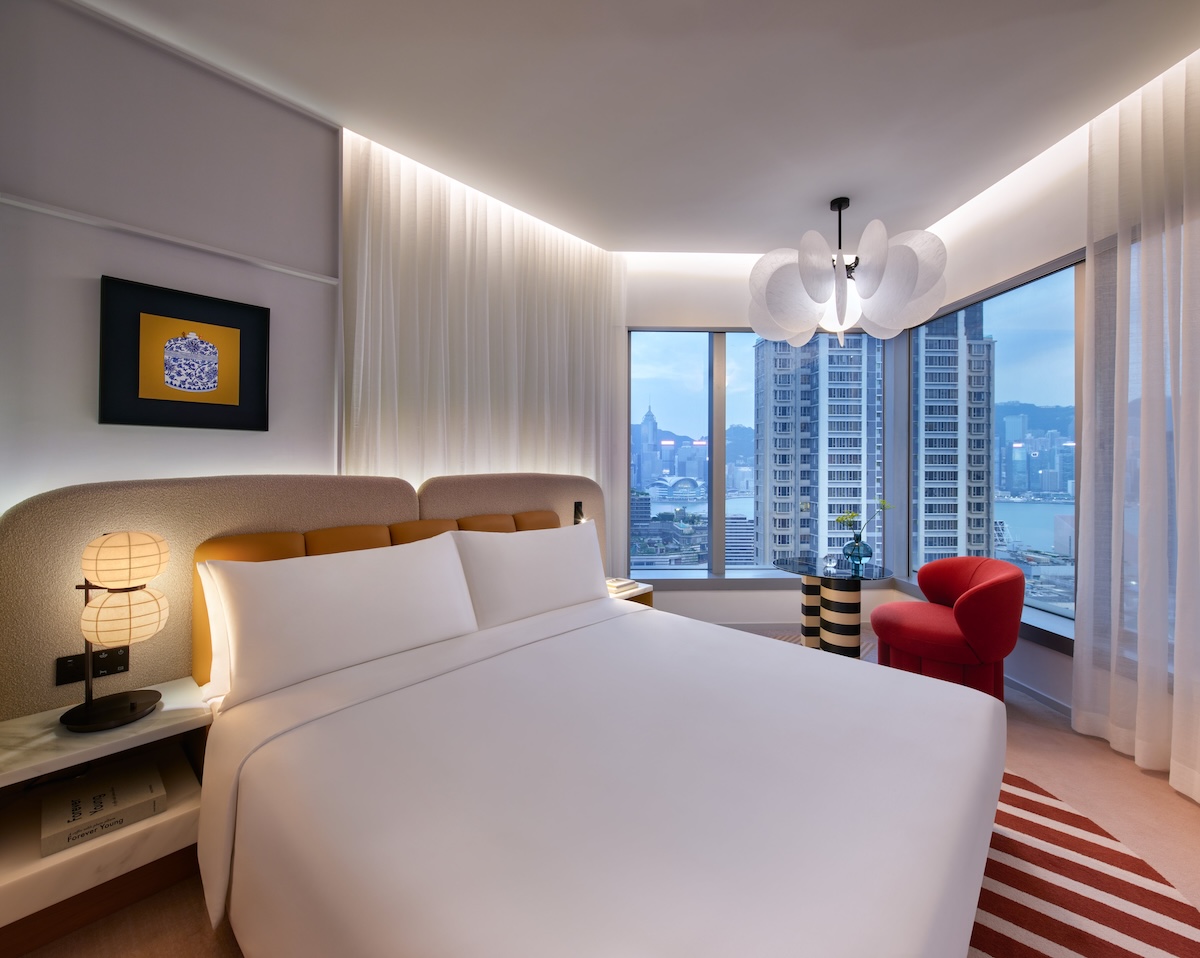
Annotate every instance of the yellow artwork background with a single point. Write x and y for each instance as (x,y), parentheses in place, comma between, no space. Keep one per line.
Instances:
(153,334)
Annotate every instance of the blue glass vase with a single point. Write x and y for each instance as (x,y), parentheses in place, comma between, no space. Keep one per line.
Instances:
(858,552)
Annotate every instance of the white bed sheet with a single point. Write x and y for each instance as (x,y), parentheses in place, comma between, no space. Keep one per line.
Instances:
(606,780)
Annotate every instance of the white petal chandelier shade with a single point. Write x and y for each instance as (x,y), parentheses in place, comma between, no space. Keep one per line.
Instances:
(891,286)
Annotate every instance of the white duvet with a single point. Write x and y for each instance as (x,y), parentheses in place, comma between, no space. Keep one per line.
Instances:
(603,781)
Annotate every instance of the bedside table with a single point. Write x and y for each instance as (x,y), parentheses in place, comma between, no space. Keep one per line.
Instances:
(643,594)
(37,750)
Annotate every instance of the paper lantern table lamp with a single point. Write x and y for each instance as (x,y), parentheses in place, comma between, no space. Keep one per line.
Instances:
(118,566)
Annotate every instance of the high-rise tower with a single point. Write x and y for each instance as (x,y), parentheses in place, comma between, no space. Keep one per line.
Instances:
(953,435)
(818,425)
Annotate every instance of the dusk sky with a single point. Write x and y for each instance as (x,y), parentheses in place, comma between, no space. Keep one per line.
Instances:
(1033,326)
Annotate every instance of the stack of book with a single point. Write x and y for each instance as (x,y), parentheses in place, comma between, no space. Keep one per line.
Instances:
(100,802)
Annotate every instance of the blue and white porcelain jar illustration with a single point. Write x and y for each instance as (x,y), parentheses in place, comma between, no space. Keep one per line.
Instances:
(190,364)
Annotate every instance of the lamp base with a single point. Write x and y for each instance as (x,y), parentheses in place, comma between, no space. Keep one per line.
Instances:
(110,711)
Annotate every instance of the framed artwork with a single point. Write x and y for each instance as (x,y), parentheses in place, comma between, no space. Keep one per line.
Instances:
(169,358)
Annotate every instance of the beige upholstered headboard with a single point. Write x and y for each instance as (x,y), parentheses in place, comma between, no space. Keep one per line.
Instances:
(41,540)
(264,546)
(448,497)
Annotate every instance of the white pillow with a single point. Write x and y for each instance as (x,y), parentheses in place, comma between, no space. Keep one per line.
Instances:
(513,575)
(292,619)
(218,675)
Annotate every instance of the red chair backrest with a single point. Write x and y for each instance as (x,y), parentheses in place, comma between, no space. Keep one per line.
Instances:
(987,596)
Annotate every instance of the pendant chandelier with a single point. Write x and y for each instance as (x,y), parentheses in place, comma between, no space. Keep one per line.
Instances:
(890,286)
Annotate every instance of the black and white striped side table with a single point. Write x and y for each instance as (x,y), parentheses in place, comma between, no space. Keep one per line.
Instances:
(831,602)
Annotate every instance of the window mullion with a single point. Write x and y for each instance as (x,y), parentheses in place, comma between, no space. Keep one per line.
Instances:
(897,452)
(716,454)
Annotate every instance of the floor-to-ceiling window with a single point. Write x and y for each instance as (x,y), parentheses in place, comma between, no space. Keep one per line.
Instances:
(990,440)
(993,435)
(669,494)
(802,446)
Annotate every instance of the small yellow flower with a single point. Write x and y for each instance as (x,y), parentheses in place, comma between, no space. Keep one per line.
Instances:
(851,518)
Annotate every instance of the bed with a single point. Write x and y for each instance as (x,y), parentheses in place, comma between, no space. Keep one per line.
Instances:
(461,746)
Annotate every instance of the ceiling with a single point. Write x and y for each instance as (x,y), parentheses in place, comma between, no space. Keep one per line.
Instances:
(697,125)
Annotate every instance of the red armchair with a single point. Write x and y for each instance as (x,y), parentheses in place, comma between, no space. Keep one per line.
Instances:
(964,631)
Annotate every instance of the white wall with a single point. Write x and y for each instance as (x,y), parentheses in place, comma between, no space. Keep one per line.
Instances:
(169,174)
(1042,671)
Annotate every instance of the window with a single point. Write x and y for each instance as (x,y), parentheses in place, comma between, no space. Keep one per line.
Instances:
(990,438)
(1017,487)
(668,458)
(816,407)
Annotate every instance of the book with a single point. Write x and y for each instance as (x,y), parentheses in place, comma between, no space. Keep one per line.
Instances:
(99,802)
(621,585)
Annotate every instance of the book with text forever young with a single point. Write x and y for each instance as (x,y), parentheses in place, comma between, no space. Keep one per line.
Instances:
(100,802)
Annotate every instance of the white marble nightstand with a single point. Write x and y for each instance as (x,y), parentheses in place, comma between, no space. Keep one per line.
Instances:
(35,746)
(640,592)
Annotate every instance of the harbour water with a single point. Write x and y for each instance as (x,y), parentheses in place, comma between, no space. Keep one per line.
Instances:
(1029,523)
(1032,523)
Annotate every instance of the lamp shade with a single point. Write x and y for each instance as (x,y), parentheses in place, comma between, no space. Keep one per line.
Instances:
(890,286)
(122,560)
(121,618)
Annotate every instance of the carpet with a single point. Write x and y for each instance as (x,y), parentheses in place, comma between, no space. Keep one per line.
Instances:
(1056,885)
(866,640)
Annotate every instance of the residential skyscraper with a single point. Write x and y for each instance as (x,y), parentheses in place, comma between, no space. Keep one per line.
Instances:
(819,431)
(953,434)
(818,422)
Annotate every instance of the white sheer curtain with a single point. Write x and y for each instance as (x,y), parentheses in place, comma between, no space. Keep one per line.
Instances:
(477,338)
(1137,645)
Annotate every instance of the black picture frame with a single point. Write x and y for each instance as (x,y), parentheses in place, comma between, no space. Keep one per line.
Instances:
(132,393)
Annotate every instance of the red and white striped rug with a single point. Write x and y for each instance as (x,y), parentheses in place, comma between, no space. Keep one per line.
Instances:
(1057,885)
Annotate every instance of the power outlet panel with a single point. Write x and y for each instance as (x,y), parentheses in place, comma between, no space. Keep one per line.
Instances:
(69,668)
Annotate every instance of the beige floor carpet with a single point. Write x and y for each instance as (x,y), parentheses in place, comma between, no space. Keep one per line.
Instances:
(1138,808)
